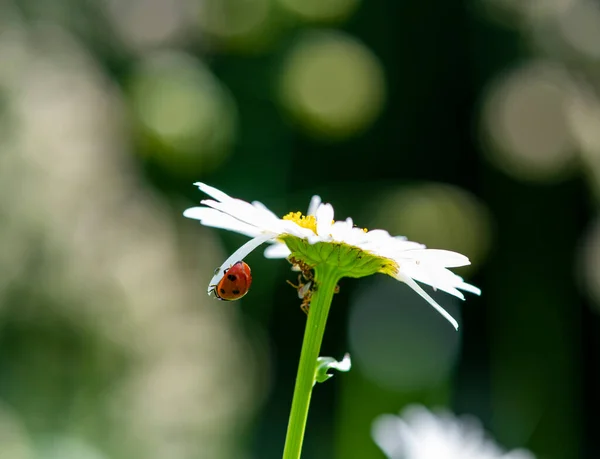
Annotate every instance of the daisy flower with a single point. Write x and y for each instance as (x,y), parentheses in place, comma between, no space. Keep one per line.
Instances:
(316,240)
(420,434)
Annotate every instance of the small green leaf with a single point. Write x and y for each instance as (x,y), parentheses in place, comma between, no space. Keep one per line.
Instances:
(326,363)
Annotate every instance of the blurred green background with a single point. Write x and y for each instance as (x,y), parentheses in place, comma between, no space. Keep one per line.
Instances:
(469,125)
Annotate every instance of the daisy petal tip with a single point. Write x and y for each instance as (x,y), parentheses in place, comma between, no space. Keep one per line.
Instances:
(192,212)
(314,204)
(325,212)
(277,251)
(417,288)
(452,321)
(470,288)
(201,186)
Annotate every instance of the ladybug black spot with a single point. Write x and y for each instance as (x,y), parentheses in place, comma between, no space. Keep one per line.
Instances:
(235,292)
(222,290)
(231,277)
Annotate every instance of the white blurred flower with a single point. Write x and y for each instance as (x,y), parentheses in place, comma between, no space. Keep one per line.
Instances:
(316,238)
(420,434)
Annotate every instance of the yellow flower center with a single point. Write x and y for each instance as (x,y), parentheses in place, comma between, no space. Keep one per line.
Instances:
(349,261)
(309,222)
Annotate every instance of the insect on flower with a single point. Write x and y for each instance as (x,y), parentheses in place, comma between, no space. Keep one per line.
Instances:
(338,247)
(305,290)
(306,285)
(235,282)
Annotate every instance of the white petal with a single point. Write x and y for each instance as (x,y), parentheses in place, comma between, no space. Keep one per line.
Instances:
(403,243)
(256,215)
(342,232)
(417,288)
(277,250)
(246,213)
(290,227)
(236,256)
(436,276)
(313,239)
(197,213)
(445,258)
(216,219)
(259,205)
(324,217)
(389,433)
(469,288)
(378,234)
(377,239)
(395,247)
(314,205)
(418,433)
(213,192)
(379,242)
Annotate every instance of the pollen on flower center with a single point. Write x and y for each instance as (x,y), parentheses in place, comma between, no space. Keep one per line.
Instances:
(305,221)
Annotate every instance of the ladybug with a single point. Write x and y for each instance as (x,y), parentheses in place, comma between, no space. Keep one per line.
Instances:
(235,282)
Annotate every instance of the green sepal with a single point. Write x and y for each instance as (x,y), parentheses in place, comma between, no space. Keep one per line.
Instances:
(326,363)
(348,261)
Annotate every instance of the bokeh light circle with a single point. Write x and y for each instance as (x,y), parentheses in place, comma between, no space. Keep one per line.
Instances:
(239,24)
(187,116)
(14,441)
(68,448)
(332,85)
(319,10)
(580,28)
(525,123)
(584,119)
(439,216)
(513,12)
(589,263)
(397,340)
(144,24)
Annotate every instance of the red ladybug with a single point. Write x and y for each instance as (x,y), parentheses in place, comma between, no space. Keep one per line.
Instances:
(235,282)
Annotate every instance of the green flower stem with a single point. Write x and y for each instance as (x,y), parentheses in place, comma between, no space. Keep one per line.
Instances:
(326,279)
